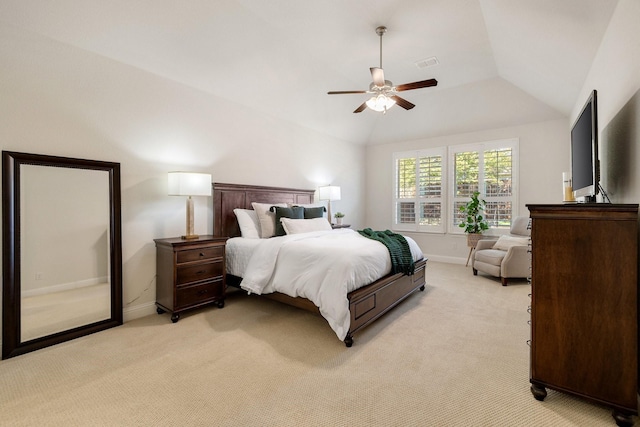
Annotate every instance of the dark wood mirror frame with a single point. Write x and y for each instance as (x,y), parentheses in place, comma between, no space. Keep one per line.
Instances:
(11,296)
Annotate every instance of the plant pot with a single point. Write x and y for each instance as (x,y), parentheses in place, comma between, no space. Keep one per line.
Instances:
(339,221)
(472,239)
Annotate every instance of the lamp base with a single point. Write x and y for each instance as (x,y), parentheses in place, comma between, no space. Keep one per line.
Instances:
(190,235)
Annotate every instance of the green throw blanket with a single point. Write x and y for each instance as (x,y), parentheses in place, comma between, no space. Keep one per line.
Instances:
(401,258)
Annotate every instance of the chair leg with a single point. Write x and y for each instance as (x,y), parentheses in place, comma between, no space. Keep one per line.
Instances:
(504,281)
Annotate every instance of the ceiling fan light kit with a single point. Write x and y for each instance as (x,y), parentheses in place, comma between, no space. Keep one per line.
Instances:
(384,93)
(380,103)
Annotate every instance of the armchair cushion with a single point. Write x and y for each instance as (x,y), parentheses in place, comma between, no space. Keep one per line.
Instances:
(520,226)
(505,242)
(485,244)
(490,256)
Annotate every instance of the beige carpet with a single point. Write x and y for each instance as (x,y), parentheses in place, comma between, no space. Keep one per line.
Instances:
(454,355)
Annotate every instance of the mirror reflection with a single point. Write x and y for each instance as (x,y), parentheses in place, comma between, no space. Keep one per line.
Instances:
(65,216)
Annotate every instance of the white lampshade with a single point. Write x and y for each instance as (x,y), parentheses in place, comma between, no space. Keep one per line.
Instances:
(380,103)
(189,184)
(329,192)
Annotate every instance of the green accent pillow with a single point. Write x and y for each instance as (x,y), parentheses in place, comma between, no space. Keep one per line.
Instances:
(310,213)
(294,212)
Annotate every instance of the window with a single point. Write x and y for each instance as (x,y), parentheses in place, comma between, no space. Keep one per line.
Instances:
(419,190)
(421,201)
(491,169)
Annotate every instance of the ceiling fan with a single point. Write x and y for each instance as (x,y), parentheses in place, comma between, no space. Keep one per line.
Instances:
(384,93)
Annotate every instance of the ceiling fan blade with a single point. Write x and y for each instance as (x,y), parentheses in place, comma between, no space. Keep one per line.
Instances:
(417,85)
(343,92)
(402,102)
(377,74)
(361,108)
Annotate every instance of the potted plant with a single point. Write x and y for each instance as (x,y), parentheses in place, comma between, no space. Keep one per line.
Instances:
(474,222)
(339,216)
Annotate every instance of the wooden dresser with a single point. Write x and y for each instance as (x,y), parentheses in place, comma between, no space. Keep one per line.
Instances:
(190,273)
(584,304)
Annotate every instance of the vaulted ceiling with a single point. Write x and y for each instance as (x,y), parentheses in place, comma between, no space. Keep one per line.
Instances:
(501,62)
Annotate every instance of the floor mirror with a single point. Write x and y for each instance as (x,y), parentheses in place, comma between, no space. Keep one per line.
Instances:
(62,250)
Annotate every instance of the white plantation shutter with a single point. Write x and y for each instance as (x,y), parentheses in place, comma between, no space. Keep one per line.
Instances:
(419,190)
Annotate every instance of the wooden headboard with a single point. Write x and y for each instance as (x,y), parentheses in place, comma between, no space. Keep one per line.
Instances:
(227,197)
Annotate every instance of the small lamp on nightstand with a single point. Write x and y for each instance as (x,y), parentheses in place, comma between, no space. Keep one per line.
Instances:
(189,184)
(329,193)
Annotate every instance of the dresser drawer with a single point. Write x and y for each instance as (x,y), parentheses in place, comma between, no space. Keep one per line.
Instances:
(199,254)
(193,295)
(198,272)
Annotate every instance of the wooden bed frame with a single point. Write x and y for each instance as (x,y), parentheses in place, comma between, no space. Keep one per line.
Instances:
(366,304)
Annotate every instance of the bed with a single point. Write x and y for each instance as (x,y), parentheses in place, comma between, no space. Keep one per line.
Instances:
(365,304)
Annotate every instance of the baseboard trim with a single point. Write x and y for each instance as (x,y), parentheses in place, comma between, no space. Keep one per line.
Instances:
(138,311)
(446,259)
(65,286)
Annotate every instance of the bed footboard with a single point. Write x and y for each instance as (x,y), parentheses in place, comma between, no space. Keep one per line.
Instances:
(368,303)
(365,304)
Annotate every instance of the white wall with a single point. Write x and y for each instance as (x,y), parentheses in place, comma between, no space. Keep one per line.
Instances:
(544,155)
(615,74)
(63,101)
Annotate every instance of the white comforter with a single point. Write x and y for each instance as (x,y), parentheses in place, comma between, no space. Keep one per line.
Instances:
(322,267)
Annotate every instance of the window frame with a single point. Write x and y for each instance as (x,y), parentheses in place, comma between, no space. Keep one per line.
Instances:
(415,226)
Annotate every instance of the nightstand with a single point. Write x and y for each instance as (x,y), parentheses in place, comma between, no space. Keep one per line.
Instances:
(334,226)
(190,274)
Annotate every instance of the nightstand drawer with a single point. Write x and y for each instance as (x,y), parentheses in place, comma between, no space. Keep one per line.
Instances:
(199,254)
(193,295)
(198,272)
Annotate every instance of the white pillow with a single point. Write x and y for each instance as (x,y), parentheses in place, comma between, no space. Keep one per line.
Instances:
(248,222)
(505,242)
(266,219)
(296,226)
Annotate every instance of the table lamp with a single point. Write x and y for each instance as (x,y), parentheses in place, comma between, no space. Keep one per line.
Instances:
(329,193)
(189,184)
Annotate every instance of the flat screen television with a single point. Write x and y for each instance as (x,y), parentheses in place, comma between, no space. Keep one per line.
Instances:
(585,167)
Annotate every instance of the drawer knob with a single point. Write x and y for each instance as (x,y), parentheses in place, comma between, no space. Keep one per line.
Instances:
(203,291)
(201,254)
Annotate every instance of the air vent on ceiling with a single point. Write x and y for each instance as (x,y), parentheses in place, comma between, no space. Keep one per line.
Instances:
(429,62)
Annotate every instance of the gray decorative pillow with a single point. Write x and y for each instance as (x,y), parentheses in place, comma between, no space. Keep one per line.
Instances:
(294,212)
(310,213)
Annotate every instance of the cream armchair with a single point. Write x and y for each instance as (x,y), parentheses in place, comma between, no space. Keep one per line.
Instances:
(507,257)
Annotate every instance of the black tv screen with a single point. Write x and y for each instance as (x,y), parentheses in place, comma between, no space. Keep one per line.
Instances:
(584,151)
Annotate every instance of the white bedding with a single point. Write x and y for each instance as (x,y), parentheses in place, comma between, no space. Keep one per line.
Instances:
(322,266)
(238,253)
